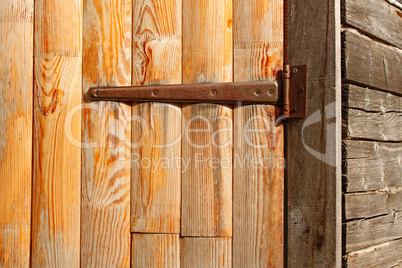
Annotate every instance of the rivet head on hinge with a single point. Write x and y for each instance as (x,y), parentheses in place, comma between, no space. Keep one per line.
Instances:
(95,93)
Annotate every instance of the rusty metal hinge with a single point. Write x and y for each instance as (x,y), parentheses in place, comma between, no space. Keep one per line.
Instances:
(295,91)
(289,92)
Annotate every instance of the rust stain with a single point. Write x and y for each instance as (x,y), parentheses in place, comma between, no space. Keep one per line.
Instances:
(399,13)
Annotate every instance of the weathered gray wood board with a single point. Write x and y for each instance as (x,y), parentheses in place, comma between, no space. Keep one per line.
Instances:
(373,126)
(371,114)
(364,233)
(375,18)
(314,182)
(370,100)
(371,165)
(364,205)
(384,255)
(370,63)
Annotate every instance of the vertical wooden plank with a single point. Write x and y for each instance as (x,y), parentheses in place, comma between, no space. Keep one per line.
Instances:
(105,216)
(206,252)
(156,128)
(258,185)
(16,48)
(314,144)
(56,170)
(207,140)
(155,250)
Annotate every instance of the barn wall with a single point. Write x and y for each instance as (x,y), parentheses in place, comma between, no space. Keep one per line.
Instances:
(372,132)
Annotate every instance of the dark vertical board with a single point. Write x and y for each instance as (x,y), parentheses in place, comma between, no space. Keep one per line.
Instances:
(314,143)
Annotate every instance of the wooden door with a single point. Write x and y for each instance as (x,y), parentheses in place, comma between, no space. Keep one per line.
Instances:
(191,185)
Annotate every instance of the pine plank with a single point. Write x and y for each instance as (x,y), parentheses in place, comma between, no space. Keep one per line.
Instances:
(206,252)
(370,63)
(258,187)
(365,205)
(365,233)
(207,140)
(156,165)
(155,250)
(371,165)
(105,194)
(385,255)
(57,161)
(16,94)
(314,181)
(376,18)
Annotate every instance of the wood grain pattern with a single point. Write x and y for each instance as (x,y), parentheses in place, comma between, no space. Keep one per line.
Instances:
(58,28)
(377,18)
(258,187)
(207,184)
(106,132)
(16,94)
(377,126)
(364,233)
(56,171)
(370,63)
(314,182)
(365,205)
(206,252)
(370,100)
(155,250)
(156,165)
(371,165)
(371,114)
(383,255)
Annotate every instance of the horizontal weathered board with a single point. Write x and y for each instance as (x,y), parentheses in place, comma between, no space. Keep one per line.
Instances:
(370,63)
(374,17)
(371,114)
(385,255)
(377,126)
(370,100)
(361,205)
(371,165)
(364,233)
